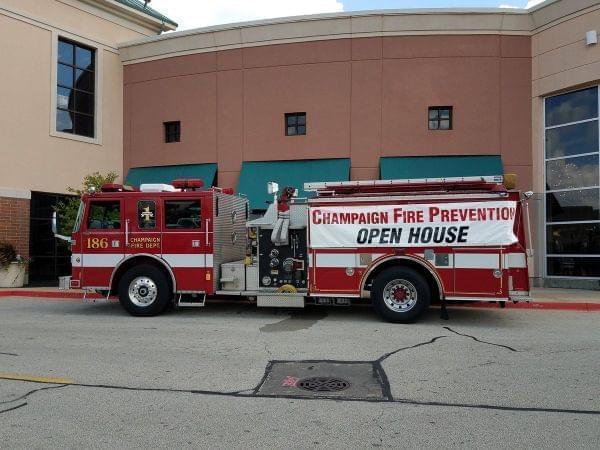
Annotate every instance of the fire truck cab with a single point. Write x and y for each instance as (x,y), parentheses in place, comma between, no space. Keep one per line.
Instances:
(399,244)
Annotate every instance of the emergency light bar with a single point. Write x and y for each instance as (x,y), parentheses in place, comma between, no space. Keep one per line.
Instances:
(111,187)
(191,184)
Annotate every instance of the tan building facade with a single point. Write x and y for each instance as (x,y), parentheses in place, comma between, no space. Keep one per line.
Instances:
(62,108)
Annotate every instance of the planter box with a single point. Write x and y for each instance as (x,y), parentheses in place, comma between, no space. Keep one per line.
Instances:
(13,276)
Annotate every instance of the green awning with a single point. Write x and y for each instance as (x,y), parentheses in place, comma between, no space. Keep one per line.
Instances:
(256,174)
(166,174)
(403,167)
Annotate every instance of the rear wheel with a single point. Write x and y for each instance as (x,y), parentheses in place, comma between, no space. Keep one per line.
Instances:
(400,294)
(144,291)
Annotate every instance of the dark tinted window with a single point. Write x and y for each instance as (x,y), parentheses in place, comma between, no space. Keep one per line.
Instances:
(572,140)
(582,204)
(75,77)
(172,131)
(182,214)
(146,214)
(573,239)
(104,215)
(570,173)
(572,107)
(573,267)
(295,124)
(440,117)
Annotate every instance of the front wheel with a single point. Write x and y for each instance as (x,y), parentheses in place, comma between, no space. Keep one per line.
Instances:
(400,294)
(144,291)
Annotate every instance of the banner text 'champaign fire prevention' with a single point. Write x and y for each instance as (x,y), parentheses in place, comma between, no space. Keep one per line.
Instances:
(414,225)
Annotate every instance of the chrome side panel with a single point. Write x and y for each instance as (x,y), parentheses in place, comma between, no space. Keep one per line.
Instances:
(229,231)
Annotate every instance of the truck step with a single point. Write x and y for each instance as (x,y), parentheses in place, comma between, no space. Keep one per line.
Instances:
(187,301)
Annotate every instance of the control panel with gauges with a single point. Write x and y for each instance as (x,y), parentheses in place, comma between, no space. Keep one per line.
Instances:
(282,265)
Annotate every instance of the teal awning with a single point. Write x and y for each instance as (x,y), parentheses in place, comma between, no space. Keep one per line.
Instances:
(166,174)
(256,174)
(402,167)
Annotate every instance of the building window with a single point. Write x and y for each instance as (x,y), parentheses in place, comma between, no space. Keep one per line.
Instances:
(572,184)
(76,81)
(295,124)
(172,131)
(440,117)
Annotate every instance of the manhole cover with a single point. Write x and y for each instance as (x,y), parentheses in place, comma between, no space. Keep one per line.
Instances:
(324,379)
(323,384)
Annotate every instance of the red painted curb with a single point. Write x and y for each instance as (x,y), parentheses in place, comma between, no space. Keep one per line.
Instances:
(556,306)
(61,295)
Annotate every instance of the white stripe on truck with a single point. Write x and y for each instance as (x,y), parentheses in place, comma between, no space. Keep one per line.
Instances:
(91,260)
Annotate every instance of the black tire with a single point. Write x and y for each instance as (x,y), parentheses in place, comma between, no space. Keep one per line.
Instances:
(155,281)
(410,284)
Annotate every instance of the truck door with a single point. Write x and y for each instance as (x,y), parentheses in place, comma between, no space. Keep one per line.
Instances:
(185,242)
(142,224)
(103,241)
(478,272)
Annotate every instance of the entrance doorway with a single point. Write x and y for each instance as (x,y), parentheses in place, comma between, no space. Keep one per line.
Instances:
(50,258)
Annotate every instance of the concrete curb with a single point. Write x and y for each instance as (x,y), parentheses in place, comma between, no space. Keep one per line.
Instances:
(534,305)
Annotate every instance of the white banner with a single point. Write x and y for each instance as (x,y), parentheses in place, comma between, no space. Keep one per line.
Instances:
(413,225)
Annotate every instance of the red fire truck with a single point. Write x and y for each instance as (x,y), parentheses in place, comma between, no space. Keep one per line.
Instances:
(399,244)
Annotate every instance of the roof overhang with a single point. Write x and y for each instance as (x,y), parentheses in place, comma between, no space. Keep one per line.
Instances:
(131,14)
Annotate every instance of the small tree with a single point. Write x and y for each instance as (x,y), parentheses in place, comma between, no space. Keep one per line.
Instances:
(67,210)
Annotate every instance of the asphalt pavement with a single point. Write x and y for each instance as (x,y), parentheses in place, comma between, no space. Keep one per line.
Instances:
(88,375)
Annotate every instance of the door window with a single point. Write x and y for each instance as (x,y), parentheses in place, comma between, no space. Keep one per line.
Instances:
(146,215)
(104,215)
(182,214)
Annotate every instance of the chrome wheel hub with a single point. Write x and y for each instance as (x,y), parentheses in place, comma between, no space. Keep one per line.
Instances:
(400,295)
(142,291)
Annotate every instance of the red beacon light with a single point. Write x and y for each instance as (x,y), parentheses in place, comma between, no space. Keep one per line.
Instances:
(111,187)
(188,185)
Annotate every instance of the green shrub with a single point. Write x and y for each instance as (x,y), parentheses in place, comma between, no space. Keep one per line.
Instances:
(8,254)
(67,210)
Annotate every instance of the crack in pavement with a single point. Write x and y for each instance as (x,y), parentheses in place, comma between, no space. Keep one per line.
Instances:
(13,408)
(403,401)
(25,396)
(480,341)
(420,344)
(33,391)
(8,354)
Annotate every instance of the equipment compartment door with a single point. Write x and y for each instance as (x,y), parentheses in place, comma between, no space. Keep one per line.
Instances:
(185,242)
(478,272)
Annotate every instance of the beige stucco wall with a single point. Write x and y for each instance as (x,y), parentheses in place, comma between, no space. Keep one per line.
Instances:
(31,158)
(561,61)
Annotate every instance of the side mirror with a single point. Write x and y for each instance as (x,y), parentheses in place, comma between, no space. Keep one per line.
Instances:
(55,227)
(272,187)
(527,195)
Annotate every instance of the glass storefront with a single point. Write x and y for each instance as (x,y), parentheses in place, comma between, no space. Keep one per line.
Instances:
(572,174)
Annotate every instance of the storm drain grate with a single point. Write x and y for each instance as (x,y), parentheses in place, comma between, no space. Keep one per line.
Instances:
(323,384)
(324,379)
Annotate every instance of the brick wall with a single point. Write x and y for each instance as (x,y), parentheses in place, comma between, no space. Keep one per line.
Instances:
(14,223)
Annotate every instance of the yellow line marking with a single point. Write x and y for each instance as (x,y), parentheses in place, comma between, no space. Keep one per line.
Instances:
(33,378)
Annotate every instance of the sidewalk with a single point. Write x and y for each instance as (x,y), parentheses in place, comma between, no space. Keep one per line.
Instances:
(542,298)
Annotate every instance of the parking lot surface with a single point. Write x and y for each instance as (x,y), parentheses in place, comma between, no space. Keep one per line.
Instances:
(231,375)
